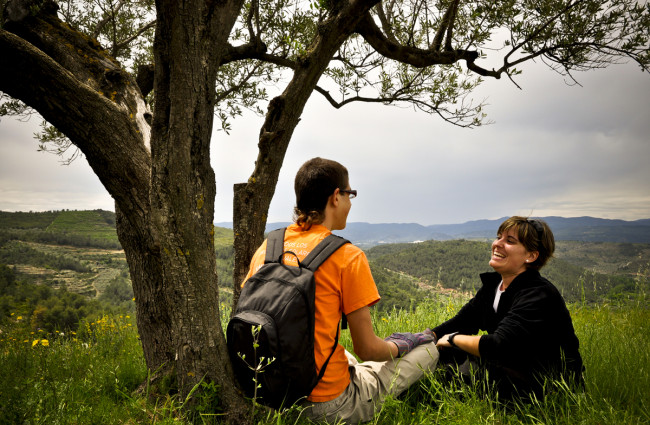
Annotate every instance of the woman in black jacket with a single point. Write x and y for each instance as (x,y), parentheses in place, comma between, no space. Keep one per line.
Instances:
(530,334)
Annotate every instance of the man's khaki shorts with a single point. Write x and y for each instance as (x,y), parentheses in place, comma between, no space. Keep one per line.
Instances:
(370,383)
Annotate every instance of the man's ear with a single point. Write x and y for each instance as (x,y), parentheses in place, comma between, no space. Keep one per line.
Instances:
(334,197)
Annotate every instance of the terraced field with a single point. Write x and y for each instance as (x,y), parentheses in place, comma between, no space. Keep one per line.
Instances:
(104,266)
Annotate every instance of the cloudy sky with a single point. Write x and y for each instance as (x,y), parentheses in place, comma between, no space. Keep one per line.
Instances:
(553,149)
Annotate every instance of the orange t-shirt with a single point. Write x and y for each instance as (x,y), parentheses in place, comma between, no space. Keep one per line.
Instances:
(343,284)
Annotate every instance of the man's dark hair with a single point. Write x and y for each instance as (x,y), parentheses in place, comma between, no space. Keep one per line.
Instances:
(316,181)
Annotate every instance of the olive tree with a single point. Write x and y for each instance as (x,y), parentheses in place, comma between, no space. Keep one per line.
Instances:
(135,87)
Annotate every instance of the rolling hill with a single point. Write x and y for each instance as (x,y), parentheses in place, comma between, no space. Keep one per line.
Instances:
(584,229)
(79,250)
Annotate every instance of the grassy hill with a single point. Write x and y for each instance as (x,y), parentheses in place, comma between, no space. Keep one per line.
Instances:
(77,228)
(97,224)
(27,220)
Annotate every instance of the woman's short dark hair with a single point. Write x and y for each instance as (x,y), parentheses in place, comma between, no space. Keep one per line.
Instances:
(316,181)
(535,235)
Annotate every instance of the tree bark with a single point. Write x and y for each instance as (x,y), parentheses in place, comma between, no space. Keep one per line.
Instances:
(154,324)
(190,37)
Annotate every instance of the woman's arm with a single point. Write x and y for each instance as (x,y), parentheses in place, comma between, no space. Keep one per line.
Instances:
(468,343)
(468,318)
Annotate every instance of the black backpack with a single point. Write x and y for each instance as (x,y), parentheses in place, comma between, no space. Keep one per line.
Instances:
(280,300)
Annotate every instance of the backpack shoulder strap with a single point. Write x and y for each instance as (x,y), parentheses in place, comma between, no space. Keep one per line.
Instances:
(322,251)
(316,257)
(274,245)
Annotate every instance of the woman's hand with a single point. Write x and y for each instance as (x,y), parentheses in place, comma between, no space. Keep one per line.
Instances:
(444,341)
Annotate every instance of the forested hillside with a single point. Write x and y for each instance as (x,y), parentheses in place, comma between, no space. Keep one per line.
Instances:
(581,270)
(59,266)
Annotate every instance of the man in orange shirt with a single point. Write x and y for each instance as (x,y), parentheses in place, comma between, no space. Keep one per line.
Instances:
(349,391)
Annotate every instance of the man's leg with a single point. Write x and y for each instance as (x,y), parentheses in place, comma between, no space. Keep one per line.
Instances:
(371,382)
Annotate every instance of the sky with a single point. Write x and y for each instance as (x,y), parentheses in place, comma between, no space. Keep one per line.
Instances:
(552,149)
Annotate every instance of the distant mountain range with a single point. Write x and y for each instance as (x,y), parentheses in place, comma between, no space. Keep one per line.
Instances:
(586,229)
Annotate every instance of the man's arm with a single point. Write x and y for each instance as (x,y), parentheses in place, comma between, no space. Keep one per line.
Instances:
(367,345)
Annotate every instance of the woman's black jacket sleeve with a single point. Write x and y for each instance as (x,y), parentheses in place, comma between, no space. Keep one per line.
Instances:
(530,332)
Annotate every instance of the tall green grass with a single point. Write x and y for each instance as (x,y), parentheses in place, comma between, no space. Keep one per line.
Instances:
(81,377)
(91,377)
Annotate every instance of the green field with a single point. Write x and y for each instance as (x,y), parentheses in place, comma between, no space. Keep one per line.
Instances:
(97,224)
(92,376)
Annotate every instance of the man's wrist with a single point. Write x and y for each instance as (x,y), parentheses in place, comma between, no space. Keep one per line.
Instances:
(402,346)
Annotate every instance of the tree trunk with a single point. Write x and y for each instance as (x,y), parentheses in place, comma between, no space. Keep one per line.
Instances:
(167,232)
(105,118)
(251,200)
(154,325)
(190,37)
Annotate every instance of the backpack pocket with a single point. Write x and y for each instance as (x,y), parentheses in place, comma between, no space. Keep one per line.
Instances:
(254,351)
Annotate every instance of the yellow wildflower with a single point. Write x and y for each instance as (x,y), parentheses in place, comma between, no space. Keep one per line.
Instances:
(45,342)
(35,342)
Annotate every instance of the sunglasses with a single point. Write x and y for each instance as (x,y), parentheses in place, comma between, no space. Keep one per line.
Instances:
(351,192)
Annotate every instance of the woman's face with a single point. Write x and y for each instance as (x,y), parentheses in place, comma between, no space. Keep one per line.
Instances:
(509,256)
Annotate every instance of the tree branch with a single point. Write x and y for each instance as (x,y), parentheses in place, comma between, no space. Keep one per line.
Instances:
(339,105)
(108,15)
(450,25)
(607,53)
(414,56)
(255,50)
(95,120)
(236,87)
(121,44)
(446,22)
(536,33)
(455,118)
(385,24)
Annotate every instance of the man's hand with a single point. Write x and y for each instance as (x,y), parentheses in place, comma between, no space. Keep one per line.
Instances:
(406,341)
